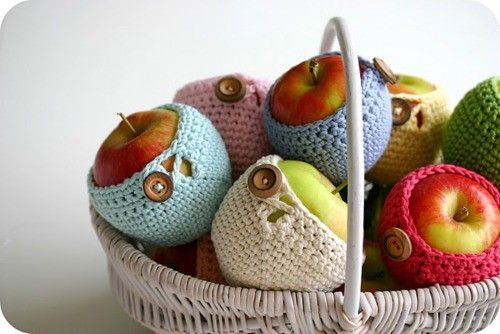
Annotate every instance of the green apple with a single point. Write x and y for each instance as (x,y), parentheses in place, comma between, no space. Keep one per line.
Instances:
(373,207)
(314,191)
(410,85)
(375,275)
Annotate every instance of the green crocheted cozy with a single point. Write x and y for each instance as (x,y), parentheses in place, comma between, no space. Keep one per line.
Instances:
(472,136)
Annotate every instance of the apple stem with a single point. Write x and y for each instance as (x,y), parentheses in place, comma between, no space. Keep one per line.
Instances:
(127,122)
(461,214)
(313,69)
(339,187)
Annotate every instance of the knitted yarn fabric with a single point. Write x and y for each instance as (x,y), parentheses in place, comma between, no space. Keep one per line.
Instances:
(240,123)
(188,213)
(297,252)
(415,143)
(207,266)
(472,137)
(426,265)
(323,143)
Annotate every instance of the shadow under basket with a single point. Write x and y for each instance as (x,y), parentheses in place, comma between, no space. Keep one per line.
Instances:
(167,301)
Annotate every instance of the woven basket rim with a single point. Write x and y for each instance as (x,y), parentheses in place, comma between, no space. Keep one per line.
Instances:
(182,283)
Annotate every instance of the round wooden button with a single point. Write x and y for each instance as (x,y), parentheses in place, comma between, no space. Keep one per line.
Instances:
(385,70)
(397,244)
(401,111)
(265,181)
(158,187)
(230,89)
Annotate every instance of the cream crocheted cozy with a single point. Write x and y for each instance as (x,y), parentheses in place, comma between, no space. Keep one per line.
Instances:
(297,252)
(415,143)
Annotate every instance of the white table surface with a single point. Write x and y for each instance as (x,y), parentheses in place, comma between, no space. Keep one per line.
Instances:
(67,68)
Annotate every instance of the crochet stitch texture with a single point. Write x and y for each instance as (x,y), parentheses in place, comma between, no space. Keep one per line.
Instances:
(188,213)
(297,252)
(240,124)
(415,143)
(324,143)
(472,137)
(426,265)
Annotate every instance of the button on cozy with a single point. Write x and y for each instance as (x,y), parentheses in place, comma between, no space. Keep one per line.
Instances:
(297,252)
(416,138)
(237,116)
(186,213)
(323,143)
(423,265)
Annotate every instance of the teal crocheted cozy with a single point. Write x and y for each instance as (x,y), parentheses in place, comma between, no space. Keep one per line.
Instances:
(189,211)
(472,136)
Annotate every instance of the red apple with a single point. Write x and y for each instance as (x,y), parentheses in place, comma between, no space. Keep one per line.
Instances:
(455,214)
(310,91)
(128,150)
(181,258)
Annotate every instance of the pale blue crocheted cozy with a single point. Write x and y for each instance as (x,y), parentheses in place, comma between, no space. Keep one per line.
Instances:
(188,213)
(324,143)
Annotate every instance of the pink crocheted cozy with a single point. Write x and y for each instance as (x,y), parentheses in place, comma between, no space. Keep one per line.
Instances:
(239,123)
(426,265)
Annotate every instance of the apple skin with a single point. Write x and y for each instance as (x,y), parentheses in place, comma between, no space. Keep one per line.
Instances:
(426,265)
(297,99)
(314,190)
(375,276)
(409,84)
(373,207)
(181,258)
(123,153)
(436,200)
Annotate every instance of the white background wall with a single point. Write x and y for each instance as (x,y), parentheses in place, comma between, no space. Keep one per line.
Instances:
(67,68)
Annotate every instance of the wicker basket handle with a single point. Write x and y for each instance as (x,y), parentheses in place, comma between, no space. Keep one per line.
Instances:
(355,164)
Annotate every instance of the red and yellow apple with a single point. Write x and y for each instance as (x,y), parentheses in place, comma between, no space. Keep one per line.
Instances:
(409,84)
(375,275)
(455,214)
(314,191)
(310,91)
(130,147)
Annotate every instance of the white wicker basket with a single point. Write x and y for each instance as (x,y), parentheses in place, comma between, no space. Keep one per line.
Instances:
(167,301)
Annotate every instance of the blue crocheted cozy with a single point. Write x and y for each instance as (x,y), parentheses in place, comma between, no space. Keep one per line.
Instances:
(188,213)
(323,143)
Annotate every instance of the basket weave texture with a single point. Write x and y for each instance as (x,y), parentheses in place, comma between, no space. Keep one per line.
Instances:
(167,301)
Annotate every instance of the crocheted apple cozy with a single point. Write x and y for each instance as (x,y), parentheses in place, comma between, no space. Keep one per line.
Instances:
(189,211)
(426,265)
(297,252)
(415,143)
(472,137)
(324,143)
(239,123)
(207,266)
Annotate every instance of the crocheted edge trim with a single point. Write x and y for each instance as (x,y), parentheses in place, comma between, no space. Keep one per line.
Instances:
(410,181)
(177,107)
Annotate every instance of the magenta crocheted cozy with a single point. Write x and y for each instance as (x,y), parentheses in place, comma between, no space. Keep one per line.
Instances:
(426,265)
(239,123)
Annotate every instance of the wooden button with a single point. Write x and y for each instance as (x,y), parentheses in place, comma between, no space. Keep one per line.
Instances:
(158,187)
(230,89)
(397,244)
(401,111)
(385,70)
(265,181)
